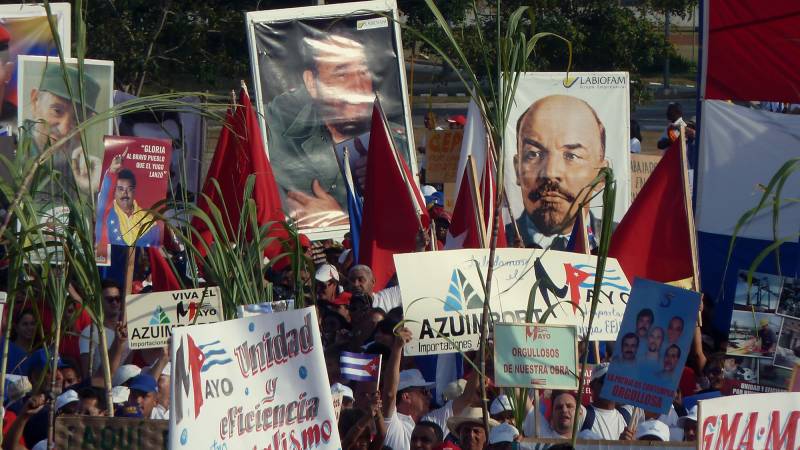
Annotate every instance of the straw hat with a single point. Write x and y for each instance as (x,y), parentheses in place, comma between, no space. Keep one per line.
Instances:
(468,415)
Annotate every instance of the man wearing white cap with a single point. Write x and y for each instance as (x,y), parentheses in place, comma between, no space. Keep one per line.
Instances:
(406,398)
(327,283)
(502,437)
(501,409)
(67,403)
(689,425)
(603,417)
(652,430)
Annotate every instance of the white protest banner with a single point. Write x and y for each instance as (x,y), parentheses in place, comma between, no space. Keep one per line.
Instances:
(256,382)
(754,422)
(152,316)
(444,311)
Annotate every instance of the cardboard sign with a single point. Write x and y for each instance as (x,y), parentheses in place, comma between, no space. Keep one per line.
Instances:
(151,317)
(764,421)
(257,382)
(110,433)
(534,355)
(641,168)
(442,152)
(653,344)
(135,177)
(794,381)
(337,404)
(444,313)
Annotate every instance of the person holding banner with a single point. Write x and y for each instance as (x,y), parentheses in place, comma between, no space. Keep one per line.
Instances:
(406,398)
(560,150)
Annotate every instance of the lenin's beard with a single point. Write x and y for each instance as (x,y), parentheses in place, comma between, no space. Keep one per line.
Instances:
(548,216)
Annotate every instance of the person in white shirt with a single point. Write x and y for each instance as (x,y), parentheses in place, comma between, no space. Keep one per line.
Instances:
(113,305)
(562,417)
(603,417)
(406,398)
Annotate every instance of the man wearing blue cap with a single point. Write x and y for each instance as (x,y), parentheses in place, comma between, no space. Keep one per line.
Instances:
(143,389)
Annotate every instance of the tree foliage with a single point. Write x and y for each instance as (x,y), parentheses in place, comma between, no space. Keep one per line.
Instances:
(173,44)
(604,35)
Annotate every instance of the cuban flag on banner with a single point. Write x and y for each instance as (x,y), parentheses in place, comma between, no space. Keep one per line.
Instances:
(360,366)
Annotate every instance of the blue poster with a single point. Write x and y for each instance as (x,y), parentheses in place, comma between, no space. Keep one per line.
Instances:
(652,346)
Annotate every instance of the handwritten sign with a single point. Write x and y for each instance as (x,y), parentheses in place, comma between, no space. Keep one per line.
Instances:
(442,152)
(641,168)
(536,355)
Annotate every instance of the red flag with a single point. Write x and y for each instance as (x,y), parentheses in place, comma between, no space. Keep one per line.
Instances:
(393,204)
(465,228)
(652,241)
(240,153)
(161,272)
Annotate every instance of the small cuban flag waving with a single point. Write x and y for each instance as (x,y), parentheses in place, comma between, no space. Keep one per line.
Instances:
(360,366)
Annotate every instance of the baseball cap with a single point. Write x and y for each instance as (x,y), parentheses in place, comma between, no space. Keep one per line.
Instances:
(125,373)
(691,415)
(67,397)
(599,370)
(143,382)
(500,404)
(327,272)
(764,322)
(412,378)
(505,432)
(459,119)
(654,428)
(120,394)
(339,388)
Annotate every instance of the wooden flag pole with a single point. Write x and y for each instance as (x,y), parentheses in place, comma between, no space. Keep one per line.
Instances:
(477,200)
(687,204)
(129,265)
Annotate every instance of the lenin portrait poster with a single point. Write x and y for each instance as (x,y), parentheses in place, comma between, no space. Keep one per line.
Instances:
(317,72)
(561,131)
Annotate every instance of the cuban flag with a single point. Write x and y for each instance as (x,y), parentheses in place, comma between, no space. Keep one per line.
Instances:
(360,366)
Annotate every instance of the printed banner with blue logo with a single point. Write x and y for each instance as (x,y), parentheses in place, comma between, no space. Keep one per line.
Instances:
(652,345)
(257,382)
(444,312)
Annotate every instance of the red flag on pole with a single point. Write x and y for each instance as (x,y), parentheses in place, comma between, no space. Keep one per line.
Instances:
(472,222)
(394,208)
(653,239)
(161,273)
(240,153)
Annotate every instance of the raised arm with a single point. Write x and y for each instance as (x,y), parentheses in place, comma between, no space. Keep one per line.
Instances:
(392,372)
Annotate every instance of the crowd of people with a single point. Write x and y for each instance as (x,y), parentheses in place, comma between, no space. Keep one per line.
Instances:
(412,406)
